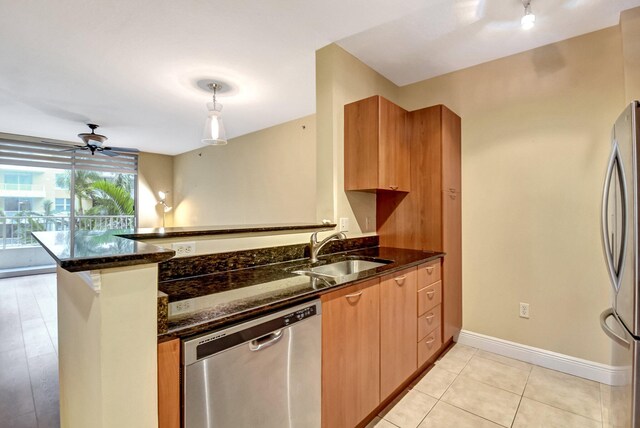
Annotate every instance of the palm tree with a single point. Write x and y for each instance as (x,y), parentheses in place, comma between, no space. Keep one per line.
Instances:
(82,187)
(111,199)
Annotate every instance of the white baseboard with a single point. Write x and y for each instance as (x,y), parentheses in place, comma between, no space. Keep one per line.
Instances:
(591,370)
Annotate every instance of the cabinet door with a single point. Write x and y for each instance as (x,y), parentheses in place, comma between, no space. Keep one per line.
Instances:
(361,124)
(169,384)
(452,265)
(350,354)
(394,156)
(398,329)
(451,151)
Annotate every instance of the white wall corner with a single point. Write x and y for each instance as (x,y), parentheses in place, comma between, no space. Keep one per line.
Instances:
(586,369)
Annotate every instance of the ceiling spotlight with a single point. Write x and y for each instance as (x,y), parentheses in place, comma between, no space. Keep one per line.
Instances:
(528,19)
(214,133)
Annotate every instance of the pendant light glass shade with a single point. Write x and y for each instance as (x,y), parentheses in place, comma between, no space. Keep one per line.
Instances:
(214,133)
(528,19)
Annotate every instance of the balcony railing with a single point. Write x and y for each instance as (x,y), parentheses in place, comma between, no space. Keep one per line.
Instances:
(15,231)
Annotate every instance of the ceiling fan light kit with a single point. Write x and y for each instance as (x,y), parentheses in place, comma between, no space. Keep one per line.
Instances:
(94,143)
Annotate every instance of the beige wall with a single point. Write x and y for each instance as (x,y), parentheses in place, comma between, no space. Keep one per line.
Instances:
(263,177)
(535,142)
(340,79)
(630,29)
(155,173)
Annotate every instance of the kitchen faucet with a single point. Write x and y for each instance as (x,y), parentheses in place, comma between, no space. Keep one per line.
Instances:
(316,246)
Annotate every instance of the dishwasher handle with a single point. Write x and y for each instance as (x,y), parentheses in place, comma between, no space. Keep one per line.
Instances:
(266,341)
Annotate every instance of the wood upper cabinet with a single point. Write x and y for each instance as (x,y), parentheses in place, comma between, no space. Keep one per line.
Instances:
(376,149)
(350,354)
(398,329)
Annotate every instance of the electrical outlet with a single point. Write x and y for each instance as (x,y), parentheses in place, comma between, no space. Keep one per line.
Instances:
(184,249)
(344,224)
(180,307)
(524,310)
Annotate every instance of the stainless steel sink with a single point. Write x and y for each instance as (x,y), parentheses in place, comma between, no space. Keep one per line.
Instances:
(342,268)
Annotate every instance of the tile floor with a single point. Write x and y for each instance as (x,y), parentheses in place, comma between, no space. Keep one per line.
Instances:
(28,352)
(468,387)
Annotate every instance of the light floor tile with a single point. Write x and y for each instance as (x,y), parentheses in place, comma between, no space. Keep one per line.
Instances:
(483,400)
(496,374)
(444,415)
(565,392)
(435,382)
(412,407)
(380,423)
(615,409)
(532,414)
(456,358)
(517,364)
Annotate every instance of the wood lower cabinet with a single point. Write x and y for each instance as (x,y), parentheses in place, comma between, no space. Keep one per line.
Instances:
(350,354)
(169,384)
(376,150)
(398,329)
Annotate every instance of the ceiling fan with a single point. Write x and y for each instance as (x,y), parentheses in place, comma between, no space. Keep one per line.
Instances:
(94,143)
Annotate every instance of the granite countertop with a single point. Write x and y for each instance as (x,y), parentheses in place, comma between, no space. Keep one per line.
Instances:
(103,249)
(202,303)
(90,250)
(177,232)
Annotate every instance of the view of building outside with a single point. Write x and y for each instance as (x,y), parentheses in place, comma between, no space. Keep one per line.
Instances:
(39,199)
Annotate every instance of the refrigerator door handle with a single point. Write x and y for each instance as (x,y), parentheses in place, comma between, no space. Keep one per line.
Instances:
(612,334)
(615,165)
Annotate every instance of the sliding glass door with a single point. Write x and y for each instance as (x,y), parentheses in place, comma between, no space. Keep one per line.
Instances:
(45,187)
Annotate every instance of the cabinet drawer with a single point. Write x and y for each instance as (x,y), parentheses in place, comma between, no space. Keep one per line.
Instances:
(429,322)
(428,346)
(429,273)
(429,297)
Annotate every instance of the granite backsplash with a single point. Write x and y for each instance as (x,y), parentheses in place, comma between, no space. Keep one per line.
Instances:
(185,267)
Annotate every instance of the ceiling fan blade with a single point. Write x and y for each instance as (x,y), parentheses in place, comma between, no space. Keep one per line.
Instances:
(122,149)
(108,153)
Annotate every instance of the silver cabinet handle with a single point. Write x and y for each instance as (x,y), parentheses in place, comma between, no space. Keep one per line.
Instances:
(430,293)
(452,195)
(400,279)
(393,187)
(429,342)
(430,269)
(353,295)
(452,190)
(429,317)
(612,334)
(266,341)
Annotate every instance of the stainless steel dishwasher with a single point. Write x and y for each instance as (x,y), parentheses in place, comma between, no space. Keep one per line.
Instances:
(262,373)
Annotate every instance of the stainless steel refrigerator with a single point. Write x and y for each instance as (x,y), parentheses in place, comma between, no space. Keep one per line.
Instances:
(620,237)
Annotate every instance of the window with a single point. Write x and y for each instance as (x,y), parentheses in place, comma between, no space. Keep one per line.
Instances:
(60,182)
(17,181)
(63,205)
(15,205)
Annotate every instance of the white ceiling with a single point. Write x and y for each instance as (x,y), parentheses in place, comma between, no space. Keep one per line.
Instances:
(132,66)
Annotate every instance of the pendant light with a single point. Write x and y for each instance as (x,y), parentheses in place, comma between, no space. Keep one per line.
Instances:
(528,19)
(214,133)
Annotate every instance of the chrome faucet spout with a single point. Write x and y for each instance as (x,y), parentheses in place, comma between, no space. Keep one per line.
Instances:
(316,246)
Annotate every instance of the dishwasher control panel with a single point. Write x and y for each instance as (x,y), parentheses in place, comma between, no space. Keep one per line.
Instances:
(218,341)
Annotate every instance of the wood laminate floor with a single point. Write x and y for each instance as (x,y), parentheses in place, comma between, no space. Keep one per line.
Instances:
(29,395)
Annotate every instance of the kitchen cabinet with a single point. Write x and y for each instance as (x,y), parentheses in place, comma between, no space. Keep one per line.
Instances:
(398,329)
(350,354)
(376,149)
(169,384)
(429,217)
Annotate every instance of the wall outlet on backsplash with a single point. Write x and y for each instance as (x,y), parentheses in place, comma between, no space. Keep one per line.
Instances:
(344,224)
(180,307)
(183,249)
